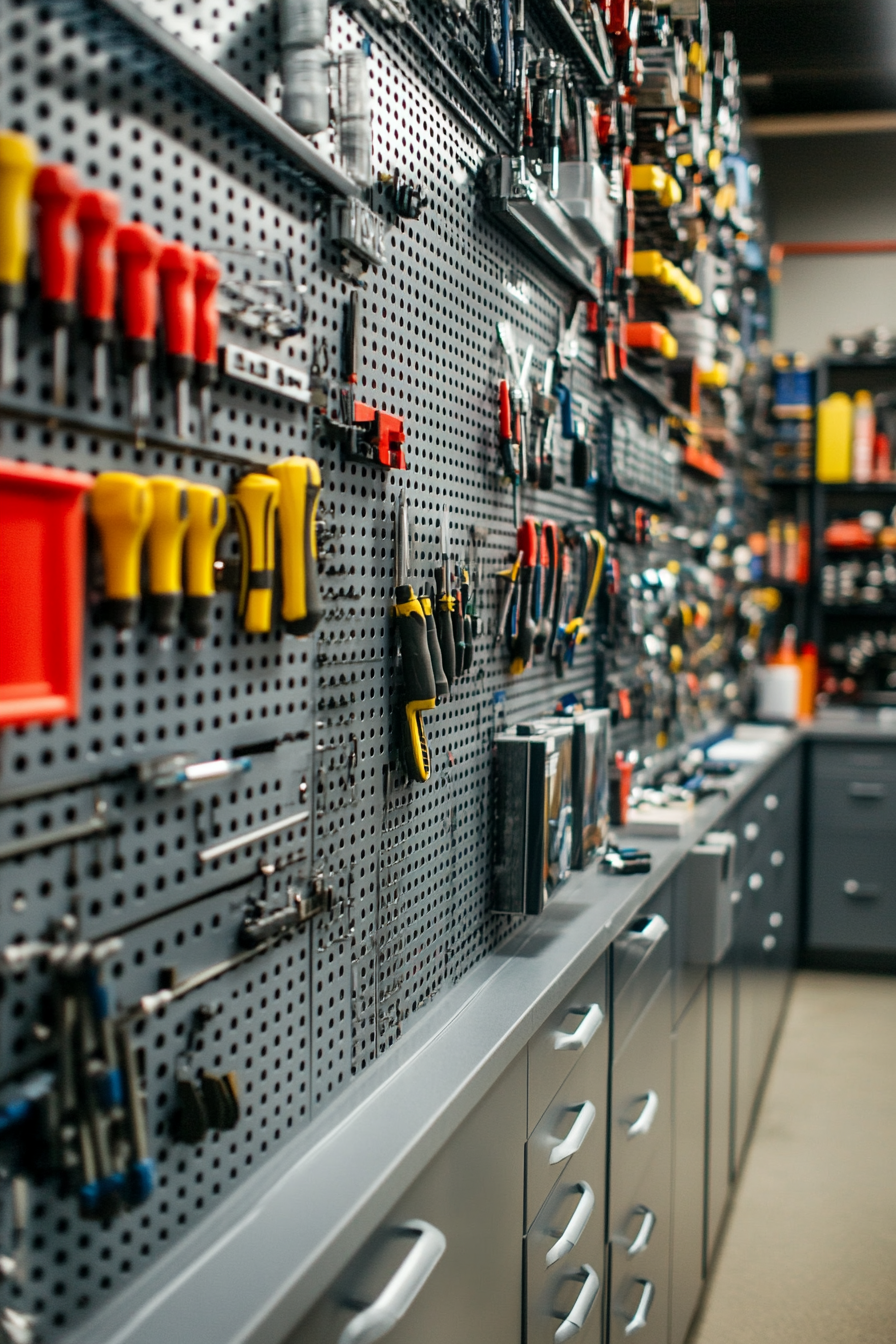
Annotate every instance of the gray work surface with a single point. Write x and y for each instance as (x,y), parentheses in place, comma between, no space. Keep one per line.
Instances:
(846,723)
(253,1268)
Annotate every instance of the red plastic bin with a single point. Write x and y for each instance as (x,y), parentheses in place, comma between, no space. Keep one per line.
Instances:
(42,543)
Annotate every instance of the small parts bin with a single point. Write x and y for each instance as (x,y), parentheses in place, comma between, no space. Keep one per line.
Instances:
(42,544)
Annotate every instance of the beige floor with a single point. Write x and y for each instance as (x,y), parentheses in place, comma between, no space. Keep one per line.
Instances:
(809,1254)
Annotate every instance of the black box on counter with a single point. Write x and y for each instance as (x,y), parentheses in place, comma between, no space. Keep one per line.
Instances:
(533,815)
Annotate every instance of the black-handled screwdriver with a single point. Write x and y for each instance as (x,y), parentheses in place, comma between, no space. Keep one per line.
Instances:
(443,612)
(432,639)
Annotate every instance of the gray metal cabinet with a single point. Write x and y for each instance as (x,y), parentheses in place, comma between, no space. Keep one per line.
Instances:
(640,1144)
(720,1097)
(689,1057)
(449,1253)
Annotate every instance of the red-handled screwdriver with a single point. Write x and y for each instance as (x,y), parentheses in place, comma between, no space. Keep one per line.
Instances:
(98,213)
(56,193)
(139,248)
(177,275)
(205,349)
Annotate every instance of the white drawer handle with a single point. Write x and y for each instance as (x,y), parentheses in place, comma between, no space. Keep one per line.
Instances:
(751,831)
(576,1136)
(379,1318)
(575,1227)
(652,931)
(754,881)
(648,1223)
(777,858)
(769,943)
(639,1320)
(776,919)
(736,897)
(645,1120)
(578,1039)
(581,1309)
(771,802)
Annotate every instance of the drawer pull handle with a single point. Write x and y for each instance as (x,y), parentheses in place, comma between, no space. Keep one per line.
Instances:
(771,802)
(575,1227)
(387,1310)
(769,943)
(857,789)
(776,858)
(776,919)
(751,831)
(754,881)
(648,1223)
(645,1120)
(861,891)
(576,1136)
(639,1320)
(736,897)
(652,931)
(581,1308)
(578,1039)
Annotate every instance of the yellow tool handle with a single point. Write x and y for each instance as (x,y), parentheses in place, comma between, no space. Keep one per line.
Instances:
(256,498)
(300,484)
(121,506)
(600,542)
(165,542)
(207,508)
(18,164)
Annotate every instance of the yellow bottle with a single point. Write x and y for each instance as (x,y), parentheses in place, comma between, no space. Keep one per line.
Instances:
(833,453)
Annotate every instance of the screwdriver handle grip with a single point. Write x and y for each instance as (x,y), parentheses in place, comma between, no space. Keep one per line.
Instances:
(207,508)
(139,248)
(521,652)
(445,633)
(300,485)
(505,431)
(255,502)
(205,350)
(121,506)
(457,624)
(177,274)
(468,641)
(98,213)
(56,191)
(435,653)
(165,544)
(18,165)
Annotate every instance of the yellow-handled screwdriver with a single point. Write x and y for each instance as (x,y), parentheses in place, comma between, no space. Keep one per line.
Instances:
(121,508)
(165,543)
(18,165)
(300,484)
(207,507)
(255,501)
(416,665)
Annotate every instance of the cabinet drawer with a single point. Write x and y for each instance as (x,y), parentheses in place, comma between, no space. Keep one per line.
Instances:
(573,1126)
(564,1256)
(642,956)
(852,892)
(568,1032)
(861,801)
(641,1115)
(830,761)
(639,1257)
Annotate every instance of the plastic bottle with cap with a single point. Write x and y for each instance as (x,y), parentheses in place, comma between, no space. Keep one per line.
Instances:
(834,438)
(863,438)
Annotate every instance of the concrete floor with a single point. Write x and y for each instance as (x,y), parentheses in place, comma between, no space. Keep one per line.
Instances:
(809,1252)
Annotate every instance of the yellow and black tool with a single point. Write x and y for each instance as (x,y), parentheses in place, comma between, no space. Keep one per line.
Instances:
(18,165)
(300,483)
(419,680)
(121,506)
(255,501)
(165,544)
(207,508)
(591,546)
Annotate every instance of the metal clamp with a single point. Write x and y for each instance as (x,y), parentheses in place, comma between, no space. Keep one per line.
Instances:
(581,1308)
(645,1120)
(395,1299)
(575,1227)
(576,1136)
(578,1039)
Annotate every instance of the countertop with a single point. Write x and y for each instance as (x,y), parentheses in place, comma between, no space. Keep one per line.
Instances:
(249,1272)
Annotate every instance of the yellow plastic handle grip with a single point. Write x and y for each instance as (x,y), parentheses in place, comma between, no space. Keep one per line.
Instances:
(207,508)
(256,498)
(170,517)
(121,506)
(18,164)
(300,484)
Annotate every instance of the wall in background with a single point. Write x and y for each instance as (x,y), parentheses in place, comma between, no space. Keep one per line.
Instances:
(831,189)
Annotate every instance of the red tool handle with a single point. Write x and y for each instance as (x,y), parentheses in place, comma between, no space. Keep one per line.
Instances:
(208,274)
(504,410)
(527,540)
(177,274)
(98,221)
(139,248)
(56,192)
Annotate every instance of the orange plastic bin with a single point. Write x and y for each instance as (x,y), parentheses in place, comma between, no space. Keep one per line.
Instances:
(42,541)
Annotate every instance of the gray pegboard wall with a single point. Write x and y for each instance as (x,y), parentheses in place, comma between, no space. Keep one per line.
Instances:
(409,864)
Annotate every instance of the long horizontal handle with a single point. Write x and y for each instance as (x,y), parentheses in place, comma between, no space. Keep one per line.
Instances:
(578,1039)
(861,891)
(648,1114)
(860,789)
(575,1227)
(576,1136)
(251,837)
(639,1320)
(395,1299)
(648,1223)
(581,1308)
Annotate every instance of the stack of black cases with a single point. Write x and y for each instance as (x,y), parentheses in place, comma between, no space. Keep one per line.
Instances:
(551,800)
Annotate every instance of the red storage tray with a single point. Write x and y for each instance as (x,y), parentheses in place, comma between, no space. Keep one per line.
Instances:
(42,543)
